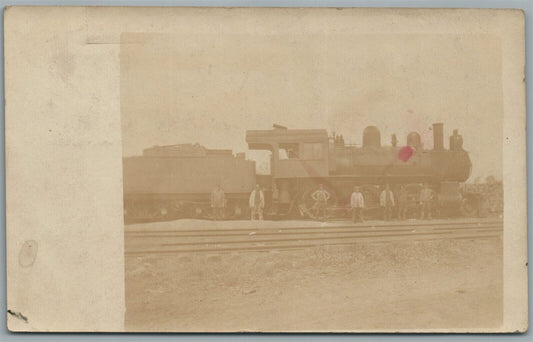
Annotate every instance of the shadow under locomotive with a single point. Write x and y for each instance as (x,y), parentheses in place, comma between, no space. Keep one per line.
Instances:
(172,182)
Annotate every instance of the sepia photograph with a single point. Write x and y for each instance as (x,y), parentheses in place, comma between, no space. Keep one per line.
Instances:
(265,170)
(312,181)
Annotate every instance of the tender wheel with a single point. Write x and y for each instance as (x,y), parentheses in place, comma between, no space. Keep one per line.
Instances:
(142,211)
(236,210)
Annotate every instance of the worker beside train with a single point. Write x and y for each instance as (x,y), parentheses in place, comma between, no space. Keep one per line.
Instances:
(257,203)
(402,203)
(357,203)
(321,197)
(386,200)
(426,196)
(218,201)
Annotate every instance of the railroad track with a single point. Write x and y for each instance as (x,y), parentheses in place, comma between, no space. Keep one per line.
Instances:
(247,239)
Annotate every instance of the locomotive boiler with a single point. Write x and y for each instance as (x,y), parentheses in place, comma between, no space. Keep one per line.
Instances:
(303,159)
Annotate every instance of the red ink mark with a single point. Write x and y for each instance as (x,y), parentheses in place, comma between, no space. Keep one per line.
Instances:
(410,111)
(405,153)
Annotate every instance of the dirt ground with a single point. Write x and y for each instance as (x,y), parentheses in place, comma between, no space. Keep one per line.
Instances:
(442,285)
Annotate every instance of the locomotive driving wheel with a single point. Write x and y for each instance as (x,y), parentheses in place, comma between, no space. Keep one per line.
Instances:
(310,208)
(144,211)
(412,207)
(371,195)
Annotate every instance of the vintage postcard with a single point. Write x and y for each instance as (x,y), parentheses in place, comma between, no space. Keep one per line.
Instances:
(265,170)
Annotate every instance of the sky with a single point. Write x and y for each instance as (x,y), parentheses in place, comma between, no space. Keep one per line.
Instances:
(210,89)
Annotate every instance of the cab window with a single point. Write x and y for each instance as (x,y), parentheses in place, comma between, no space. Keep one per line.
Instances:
(312,151)
(289,151)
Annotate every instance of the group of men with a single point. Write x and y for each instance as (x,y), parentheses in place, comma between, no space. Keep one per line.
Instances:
(388,203)
(256,203)
(321,196)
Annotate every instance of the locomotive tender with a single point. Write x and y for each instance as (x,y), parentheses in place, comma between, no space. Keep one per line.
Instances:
(176,181)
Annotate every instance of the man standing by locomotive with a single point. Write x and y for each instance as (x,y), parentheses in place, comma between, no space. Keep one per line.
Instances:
(357,203)
(321,197)
(386,200)
(426,196)
(218,201)
(402,203)
(257,203)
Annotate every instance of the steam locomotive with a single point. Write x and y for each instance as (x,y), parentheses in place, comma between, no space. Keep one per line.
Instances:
(175,181)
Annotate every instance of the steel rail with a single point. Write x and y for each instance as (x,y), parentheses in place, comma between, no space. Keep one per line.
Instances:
(283,247)
(400,224)
(311,232)
(474,232)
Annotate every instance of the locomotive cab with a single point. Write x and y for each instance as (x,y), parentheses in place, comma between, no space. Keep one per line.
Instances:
(296,153)
(297,156)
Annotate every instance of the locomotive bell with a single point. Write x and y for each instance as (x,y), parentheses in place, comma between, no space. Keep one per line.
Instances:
(371,137)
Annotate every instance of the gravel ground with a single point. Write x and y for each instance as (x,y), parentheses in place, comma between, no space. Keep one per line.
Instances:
(438,285)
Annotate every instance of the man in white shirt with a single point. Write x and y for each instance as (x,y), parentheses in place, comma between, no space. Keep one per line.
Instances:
(218,201)
(357,203)
(426,196)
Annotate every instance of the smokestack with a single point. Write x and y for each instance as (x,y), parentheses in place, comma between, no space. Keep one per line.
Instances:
(438,136)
